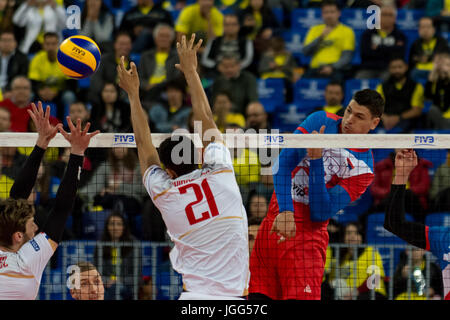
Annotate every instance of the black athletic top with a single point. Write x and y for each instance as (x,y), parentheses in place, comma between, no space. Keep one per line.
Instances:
(65,197)
(394,221)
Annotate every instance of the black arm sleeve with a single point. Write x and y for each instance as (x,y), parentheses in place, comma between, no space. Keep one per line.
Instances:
(65,198)
(24,183)
(395,222)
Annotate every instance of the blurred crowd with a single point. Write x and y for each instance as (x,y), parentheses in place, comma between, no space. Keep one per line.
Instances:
(244,41)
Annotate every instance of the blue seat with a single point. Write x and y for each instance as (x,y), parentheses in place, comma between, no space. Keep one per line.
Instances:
(354,85)
(310,93)
(279,14)
(381,154)
(84,83)
(355,18)
(169,285)
(408,19)
(271,93)
(446,35)
(411,36)
(436,156)
(135,57)
(356,60)
(287,118)
(438,219)
(294,43)
(354,210)
(376,234)
(305,18)
(175,14)
(93,224)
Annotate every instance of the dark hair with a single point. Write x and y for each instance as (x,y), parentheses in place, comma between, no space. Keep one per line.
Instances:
(126,236)
(395,57)
(51,34)
(14,215)
(129,161)
(327,3)
(122,33)
(178,84)
(79,102)
(188,162)
(103,11)
(223,92)
(343,250)
(85,266)
(372,100)
(336,83)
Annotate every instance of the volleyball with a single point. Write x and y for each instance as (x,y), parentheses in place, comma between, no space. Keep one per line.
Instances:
(78,57)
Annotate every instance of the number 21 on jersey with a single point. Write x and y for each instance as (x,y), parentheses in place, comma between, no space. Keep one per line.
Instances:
(200,191)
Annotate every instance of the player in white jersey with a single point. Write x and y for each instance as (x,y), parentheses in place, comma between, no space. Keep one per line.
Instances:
(201,207)
(24,255)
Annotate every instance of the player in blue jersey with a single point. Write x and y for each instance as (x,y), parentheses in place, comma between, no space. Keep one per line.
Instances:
(288,258)
(434,239)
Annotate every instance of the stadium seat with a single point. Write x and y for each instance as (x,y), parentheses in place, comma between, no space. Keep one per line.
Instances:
(305,18)
(279,14)
(169,285)
(354,210)
(175,14)
(355,18)
(356,60)
(446,35)
(93,223)
(408,19)
(309,93)
(271,93)
(135,57)
(288,117)
(411,36)
(376,234)
(381,154)
(438,219)
(294,43)
(436,156)
(84,83)
(354,85)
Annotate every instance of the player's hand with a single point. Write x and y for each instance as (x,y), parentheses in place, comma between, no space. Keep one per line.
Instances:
(46,131)
(284,226)
(187,53)
(128,79)
(316,153)
(405,162)
(79,138)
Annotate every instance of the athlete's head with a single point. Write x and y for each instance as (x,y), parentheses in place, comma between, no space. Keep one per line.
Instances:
(363,113)
(90,285)
(178,155)
(16,223)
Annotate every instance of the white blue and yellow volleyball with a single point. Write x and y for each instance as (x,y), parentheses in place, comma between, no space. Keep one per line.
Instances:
(78,57)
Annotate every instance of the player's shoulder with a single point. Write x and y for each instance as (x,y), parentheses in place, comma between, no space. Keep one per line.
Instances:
(324,118)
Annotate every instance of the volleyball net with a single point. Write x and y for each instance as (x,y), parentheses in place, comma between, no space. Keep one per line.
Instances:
(363,260)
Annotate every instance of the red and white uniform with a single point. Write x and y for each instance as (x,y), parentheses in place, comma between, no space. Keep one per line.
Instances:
(206,219)
(21,272)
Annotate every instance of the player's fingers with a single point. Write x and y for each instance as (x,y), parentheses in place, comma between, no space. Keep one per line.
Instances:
(281,240)
(86,128)
(78,126)
(93,134)
(70,124)
(63,132)
(178,66)
(40,110)
(322,129)
(183,42)
(47,113)
(198,45)
(191,42)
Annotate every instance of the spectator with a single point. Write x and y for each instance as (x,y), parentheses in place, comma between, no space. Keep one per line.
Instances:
(44,67)
(257,117)
(13,62)
(232,5)
(354,263)
(241,84)
(331,45)
(417,194)
(277,62)
(230,42)
(38,18)
(258,19)
(111,115)
(439,10)
(107,71)
(11,162)
(97,23)
(91,284)
(378,46)
(6,13)
(116,183)
(172,114)
(361,3)
(19,103)
(201,18)
(140,21)
(118,256)
(256,206)
(437,89)
(334,96)
(78,110)
(157,66)
(424,48)
(404,271)
(222,112)
(404,99)
(440,187)
(5,119)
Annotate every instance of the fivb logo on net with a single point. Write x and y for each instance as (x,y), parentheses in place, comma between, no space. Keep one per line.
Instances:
(266,146)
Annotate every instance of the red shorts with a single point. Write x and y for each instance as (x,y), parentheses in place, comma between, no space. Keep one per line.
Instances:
(290,270)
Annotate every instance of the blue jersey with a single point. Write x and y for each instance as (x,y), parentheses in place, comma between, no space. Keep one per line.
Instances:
(438,242)
(317,189)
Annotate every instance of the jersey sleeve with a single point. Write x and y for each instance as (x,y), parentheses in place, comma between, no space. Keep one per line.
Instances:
(36,253)
(438,242)
(314,122)
(217,156)
(155,180)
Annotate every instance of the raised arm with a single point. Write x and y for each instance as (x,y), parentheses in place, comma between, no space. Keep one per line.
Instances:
(129,81)
(394,220)
(65,197)
(187,53)
(24,183)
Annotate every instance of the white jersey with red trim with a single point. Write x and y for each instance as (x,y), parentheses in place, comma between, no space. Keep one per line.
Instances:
(21,272)
(207,221)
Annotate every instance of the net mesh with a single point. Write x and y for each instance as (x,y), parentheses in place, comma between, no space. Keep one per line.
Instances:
(361,260)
